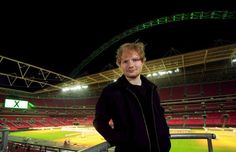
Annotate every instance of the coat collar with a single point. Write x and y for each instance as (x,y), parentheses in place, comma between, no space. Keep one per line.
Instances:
(123,82)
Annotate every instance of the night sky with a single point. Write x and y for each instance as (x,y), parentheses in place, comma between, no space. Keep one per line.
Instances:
(58,37)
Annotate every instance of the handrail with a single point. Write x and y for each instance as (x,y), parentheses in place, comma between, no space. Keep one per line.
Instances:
(4,139)
(103,147)
(196,136)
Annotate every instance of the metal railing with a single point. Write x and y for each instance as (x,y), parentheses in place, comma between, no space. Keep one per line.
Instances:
(103,147)
(4,139)
(209,137)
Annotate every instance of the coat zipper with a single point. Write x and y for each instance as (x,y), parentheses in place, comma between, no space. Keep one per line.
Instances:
(149,141)
(153,115)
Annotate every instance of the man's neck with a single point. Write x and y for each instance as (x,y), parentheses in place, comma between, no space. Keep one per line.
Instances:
(135,81)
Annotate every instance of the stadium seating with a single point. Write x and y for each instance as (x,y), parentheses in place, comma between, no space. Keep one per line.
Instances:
(190,102)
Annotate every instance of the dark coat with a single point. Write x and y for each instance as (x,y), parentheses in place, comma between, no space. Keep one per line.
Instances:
(119,103)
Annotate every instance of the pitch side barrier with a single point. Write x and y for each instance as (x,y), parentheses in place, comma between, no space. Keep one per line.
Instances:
(103,147)
(3,139)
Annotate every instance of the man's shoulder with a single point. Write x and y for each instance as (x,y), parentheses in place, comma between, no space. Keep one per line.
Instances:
(112,85)
(111,89)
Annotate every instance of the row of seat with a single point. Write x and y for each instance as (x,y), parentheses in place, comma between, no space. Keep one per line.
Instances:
(207,120)
(17,122)
(198,90)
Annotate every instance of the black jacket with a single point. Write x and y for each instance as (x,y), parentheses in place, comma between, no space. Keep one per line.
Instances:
(119,103)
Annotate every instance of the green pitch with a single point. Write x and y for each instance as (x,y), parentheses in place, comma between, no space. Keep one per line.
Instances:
(223,143)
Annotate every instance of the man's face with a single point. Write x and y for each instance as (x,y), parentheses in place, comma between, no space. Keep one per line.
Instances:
(131,64)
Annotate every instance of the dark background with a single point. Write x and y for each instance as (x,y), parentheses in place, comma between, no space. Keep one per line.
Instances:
(59,36)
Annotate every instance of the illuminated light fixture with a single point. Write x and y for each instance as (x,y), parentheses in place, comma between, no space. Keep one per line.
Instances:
(177,70)
(74,88)
(161,73)
(164,72)
(154,74)
(84,87)
(233,60)
(65,89)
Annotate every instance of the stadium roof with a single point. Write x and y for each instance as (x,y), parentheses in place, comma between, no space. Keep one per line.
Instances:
(45,50)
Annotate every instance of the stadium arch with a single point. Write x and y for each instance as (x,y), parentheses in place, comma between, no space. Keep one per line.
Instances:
(210,15)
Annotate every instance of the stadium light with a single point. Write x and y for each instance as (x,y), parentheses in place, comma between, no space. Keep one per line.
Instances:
(233,60)
(161,73)
(74,88)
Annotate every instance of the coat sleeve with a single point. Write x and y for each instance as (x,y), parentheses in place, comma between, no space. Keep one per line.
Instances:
(103,116)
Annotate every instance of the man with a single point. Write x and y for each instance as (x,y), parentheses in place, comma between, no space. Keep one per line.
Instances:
(133,105)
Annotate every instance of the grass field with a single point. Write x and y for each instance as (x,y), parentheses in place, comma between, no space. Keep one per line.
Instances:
(87,136)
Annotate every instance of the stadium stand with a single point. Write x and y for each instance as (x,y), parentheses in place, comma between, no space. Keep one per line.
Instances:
(210,103)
